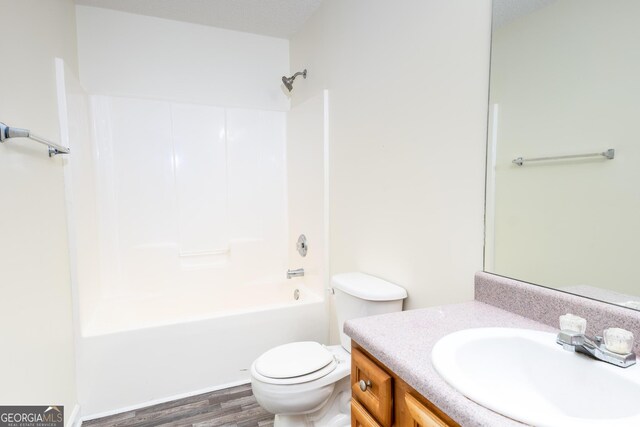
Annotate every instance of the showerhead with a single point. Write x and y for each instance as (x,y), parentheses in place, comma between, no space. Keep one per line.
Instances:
(288,81)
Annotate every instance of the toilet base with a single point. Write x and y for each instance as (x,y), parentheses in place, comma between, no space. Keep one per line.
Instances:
(290,421)
(335,413)
(341,420)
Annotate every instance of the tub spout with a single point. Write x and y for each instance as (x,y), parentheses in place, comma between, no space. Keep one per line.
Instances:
(298,272)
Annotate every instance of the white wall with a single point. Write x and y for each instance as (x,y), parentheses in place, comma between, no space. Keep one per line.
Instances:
(37,355)
(123,54)
(80,190)
(407,127)
(566,81)
(306,189)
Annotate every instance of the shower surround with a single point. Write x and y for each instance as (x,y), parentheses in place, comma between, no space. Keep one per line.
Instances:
(188,196)
(182,223)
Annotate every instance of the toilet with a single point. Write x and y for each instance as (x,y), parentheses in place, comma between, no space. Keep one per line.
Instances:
(307,383)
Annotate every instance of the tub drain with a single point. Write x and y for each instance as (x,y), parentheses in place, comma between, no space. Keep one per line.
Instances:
(296,294)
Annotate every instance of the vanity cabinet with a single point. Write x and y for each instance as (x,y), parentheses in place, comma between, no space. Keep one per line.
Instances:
(381,399)
(360,417)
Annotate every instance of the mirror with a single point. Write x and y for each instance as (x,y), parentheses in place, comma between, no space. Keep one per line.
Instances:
(562,210)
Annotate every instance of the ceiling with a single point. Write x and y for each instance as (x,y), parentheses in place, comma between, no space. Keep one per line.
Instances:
(505,11)
(276,18)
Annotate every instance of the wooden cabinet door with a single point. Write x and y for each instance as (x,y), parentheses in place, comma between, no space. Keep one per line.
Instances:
(372,387)
(360,417)
(420,415)
(385,400)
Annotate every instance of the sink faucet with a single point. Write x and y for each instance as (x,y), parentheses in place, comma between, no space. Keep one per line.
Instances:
(572,340)
(298,272)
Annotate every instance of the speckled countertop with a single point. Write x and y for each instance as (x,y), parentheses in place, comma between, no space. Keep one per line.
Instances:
(403,342)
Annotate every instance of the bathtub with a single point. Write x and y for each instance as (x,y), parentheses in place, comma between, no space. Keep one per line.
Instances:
(136,352)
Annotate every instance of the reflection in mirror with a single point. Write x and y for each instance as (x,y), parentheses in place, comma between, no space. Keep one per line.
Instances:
(565,81)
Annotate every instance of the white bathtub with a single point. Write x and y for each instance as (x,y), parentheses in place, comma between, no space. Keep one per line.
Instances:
(136,352)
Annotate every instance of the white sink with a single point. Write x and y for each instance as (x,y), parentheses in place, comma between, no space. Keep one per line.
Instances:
(525,375)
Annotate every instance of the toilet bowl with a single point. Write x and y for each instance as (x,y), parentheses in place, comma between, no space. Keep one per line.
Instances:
(307,384)
(316,398)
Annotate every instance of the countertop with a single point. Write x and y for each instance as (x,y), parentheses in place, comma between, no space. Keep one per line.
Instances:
(403,342)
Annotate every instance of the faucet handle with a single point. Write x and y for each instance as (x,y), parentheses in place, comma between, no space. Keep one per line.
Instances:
(618,340)
(573,323)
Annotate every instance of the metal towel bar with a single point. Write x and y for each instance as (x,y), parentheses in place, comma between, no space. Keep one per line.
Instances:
(7,132)
(609,154)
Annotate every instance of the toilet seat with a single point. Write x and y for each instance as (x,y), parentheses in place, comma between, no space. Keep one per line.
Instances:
(294,363)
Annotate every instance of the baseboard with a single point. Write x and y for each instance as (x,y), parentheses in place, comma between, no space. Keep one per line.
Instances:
(162,400)
(73,420)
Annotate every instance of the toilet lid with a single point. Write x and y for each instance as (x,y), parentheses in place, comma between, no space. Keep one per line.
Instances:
(293,360)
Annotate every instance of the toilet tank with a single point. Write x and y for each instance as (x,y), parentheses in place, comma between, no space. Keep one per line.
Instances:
(361,295)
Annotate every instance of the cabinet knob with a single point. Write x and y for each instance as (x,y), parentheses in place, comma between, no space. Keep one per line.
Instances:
(364,385)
